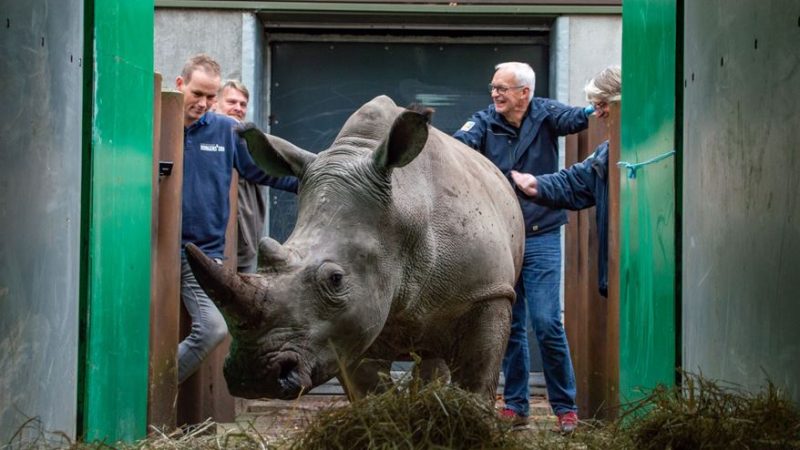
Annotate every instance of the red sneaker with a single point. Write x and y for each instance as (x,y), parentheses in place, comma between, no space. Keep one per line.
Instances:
(508,415)
(568,421)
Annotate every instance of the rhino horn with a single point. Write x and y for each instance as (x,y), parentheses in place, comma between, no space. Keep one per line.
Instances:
(274,155)
(271,253)
(405,141)
(226,288)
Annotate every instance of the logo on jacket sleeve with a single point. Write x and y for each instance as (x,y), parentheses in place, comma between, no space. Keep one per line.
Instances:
(468,126)
(212,148)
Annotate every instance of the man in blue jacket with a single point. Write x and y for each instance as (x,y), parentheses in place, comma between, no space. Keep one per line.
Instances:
(584,184)
(211,151)
(520,132)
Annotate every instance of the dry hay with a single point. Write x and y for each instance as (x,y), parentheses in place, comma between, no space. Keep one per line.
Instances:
(410,415)
(207,436)
(203,436)
(706,414)
(702,414)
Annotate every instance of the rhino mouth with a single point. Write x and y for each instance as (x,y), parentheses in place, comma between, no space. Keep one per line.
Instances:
(284,376)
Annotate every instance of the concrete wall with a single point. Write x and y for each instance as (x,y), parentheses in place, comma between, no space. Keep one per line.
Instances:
(581,47)
(741,213)
(180,33)
(40,209)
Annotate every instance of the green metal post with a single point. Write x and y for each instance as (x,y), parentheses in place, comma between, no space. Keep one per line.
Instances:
(117,203)
(648,201)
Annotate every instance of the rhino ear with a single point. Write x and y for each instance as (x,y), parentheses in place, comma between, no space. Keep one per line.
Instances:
(405,141)
(271,253)
(274,155)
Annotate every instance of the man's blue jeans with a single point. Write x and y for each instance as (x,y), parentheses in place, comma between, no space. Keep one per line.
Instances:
(538,287)
(208,325)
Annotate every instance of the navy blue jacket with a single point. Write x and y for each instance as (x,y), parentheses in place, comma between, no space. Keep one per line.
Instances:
(211,150)
(532,148)
(583,185)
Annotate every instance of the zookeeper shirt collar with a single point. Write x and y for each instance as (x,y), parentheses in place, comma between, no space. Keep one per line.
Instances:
(202,121)
(531,122)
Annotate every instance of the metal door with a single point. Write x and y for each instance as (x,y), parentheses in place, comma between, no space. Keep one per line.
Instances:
(315,86)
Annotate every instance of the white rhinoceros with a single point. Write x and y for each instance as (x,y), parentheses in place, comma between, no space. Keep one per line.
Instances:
(406,241)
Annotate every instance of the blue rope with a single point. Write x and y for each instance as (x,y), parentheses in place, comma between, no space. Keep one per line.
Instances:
(632,167)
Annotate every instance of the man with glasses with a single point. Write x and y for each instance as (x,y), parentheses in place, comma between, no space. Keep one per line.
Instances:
(520,132)
(584,184)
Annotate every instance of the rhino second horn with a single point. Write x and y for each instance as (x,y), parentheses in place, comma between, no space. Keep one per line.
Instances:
(225,287)
(271,253)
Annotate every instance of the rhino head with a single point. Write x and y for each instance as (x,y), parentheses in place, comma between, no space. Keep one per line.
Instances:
(322,298)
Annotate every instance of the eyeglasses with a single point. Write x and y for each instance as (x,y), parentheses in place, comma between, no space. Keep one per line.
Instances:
(502,89)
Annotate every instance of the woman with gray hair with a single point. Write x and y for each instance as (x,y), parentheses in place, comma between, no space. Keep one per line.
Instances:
(584,184)
(604,89)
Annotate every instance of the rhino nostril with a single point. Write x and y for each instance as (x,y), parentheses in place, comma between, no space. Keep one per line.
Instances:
(287,367)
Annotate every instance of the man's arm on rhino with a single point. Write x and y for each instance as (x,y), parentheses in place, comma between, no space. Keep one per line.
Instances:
(570,188)
(526,183)
(251,172)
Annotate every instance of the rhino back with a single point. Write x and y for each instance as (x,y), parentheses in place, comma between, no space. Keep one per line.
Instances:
(455,218)
(465,223)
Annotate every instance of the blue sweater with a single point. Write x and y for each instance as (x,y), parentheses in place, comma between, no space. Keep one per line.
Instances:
(531,148)
(211,150)
(580,186)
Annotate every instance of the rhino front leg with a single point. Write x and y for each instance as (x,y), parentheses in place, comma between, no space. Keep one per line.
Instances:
(482,343)
(367,376)
(434,369)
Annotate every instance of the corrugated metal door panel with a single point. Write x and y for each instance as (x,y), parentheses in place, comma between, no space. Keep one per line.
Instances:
(40,212)
(741,221)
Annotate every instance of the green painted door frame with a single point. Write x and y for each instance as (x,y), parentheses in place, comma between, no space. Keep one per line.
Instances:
(116,205)
(648,302)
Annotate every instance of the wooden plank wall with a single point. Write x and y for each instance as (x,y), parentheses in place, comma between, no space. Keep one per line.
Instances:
(591,321)
(165,295)
(205,394)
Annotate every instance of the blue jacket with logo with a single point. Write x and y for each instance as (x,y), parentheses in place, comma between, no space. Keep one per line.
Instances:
(583,185)
(211,150)
(532,148)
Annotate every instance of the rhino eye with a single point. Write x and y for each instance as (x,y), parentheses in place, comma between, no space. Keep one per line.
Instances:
(331,282)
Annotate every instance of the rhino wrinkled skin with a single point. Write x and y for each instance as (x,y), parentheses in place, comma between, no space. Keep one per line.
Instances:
(406,242)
